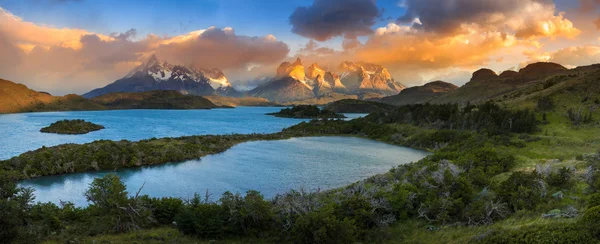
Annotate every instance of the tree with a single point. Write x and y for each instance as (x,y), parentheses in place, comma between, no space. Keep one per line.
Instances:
(109,198)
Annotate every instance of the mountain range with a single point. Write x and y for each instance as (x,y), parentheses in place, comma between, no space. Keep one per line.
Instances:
(293,83)
(484,85)
(161,75)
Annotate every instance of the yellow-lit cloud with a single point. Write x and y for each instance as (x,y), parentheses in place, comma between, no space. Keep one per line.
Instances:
(62,60)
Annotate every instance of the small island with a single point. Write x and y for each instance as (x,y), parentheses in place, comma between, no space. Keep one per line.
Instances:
(71,127)
(307,112)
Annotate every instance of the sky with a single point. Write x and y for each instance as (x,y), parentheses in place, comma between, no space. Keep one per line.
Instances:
(73,46)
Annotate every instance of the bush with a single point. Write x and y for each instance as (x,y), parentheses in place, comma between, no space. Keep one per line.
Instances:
(250,215)
(203,220)
(591,221)
(522,191)
(324,227)
(545,104)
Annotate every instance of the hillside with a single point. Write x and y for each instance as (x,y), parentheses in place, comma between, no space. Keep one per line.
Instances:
(485,84)
(419,94)
(357,106)
(153,100)
(15,98)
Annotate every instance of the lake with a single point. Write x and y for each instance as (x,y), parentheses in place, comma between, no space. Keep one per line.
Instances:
(270,167)
(20,133)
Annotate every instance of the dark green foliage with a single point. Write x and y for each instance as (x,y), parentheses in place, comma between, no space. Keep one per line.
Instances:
(15,204)
(324,226)
(110,155)
(119,213)
(551,233)
(202,220)
(164,209)
(487,117)
(306,112)
(250,215)
(578,117)
(522,190)
(76,126)
(357,106)
(545,104)
(591,221)
(593,200)
(560,178)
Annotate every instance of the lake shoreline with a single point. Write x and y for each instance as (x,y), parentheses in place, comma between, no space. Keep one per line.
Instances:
(62,152)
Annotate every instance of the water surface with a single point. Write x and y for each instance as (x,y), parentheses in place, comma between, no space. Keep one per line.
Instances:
(270,167)
(20,133)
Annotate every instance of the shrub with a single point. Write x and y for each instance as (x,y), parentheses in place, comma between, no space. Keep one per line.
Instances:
(522,191)
(323,227)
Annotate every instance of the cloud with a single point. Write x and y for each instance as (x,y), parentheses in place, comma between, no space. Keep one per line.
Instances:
(569,57)
(526,18)
(63,60)
(326,19)
(312,48)
(222,48)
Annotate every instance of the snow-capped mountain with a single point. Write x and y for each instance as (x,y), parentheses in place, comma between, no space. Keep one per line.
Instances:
(155,74)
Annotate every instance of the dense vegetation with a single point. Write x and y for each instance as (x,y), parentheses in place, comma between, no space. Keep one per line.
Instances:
(306,112)
(110,155)
(153,100)
(357,106)
(76,126)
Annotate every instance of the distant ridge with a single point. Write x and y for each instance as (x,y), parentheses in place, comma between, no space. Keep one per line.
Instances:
(420,94)
(155,74)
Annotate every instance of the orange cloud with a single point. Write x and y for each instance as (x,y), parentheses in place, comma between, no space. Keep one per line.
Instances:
(569,57)
(63,60)
(27,34)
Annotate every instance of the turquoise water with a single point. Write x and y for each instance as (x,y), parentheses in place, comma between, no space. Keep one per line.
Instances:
(20,133)
(270,167)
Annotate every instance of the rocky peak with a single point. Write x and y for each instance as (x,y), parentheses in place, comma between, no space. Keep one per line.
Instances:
(313,71)
(541,69)
(484,74)
(294,70)
(440,86)
(509,74)
(297,62)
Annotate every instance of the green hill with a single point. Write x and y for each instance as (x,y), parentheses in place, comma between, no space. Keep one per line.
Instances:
(153,100)
(420,94)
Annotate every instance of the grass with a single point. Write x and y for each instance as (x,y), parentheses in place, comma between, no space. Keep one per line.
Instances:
(150,236)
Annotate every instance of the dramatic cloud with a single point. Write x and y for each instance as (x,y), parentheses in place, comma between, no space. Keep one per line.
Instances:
(528,18)
(76,61)
(223,49)
(326,19)
(569,57)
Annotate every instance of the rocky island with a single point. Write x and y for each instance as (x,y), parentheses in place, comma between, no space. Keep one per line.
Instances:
(71,127)
(307,112)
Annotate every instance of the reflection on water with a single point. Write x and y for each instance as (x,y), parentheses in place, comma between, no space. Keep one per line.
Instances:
(271,167)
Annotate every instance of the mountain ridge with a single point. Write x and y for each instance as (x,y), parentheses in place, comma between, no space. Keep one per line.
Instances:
(155,74)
